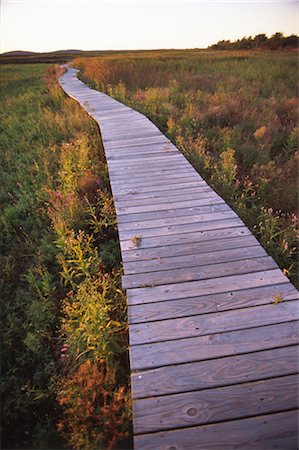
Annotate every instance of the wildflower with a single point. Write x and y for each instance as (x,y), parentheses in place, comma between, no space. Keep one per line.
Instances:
(260,132)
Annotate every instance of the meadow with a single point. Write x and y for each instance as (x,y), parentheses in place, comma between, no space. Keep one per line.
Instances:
(65,377)
(234,115)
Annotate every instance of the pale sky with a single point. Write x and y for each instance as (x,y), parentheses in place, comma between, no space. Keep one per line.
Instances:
(43,25)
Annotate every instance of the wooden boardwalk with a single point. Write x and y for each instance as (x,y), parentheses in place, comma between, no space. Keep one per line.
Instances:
(213,350)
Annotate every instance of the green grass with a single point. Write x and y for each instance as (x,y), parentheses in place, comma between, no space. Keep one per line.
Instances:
(63,318)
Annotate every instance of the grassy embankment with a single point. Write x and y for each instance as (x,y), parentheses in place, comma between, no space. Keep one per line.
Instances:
(64,334)
(234,116)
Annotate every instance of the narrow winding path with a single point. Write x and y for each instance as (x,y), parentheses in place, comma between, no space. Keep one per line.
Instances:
(212,346)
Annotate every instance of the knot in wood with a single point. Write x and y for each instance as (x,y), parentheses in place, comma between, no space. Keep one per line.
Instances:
(191,412)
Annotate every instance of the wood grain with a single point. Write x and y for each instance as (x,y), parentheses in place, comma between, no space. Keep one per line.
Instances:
(215,373)
(225,301)
(178,228)
(194,260)
(205,287)
(218,322)
(182,249)
(216,345)
(170,221)
(215,271)
(172,212)
(266,432)
(215,405)
(182,239)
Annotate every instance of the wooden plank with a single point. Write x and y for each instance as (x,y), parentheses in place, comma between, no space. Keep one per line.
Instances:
(194,218)
(218,322)
(129,136)
(168,180)
(216,345)
(163,187)
(214,405)
(171,173)
(145,167)
(215,372)
(266,432)
(183,275)
(212,199)
(173,212)
(133,166)
(181,228)
(181,238)
(168,251)
(142,141)
(205,192)
(162,192)
(193,260)
(164,147)
(205,287)
(225,301)
(133,160)
(116,156)
(152,170)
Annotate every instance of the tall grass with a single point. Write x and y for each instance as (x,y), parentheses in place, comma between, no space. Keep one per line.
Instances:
(234,116)
(65,381)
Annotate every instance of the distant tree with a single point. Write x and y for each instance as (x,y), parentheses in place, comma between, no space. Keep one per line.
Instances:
(275,41)
(291,41)
(260,40)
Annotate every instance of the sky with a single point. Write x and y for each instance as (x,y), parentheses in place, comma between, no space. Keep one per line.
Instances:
(43,25)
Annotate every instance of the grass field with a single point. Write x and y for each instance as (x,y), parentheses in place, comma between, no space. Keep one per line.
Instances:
(65,381)
(234,116)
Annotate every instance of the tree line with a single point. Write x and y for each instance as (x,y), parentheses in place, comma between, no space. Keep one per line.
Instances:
(276,42)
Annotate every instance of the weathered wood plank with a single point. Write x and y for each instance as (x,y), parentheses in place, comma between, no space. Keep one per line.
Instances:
(194,260)
(140,161)
(218,322)
(173,212)
(164,147)
(179,228)
(167,198)
(215,372)
(266,432)
(205,287)
(119,157)
(214,405)
(162,187)
(139,134)
(211,303)
(136,141)
(212,199)
(150,176)
(133,161)
(171,221)
(147,169)
(179,249)
(181,238)
(151,169)
(157,184)
(158,354)
(215,271)
(134,194)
